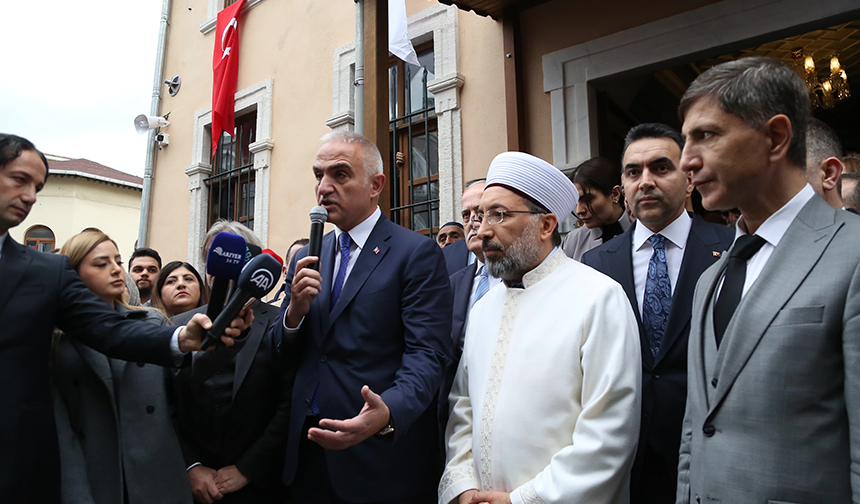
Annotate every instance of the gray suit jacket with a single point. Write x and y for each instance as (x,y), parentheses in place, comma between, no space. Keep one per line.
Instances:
(115,427)
(774,415)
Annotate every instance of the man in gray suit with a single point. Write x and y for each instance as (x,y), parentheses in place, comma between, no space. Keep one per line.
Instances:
(774,349)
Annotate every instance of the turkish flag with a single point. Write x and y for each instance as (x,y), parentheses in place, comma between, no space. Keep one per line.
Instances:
(225,63)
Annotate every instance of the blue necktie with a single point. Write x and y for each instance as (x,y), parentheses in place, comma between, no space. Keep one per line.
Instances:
(335,294)
(341,271)
(483,285)
(658,295)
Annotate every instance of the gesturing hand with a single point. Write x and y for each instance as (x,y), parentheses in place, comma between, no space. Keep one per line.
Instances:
(230,479)
(341,434)
(203,484)
(307,283)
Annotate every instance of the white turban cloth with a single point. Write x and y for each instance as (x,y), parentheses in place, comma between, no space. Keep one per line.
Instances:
(537,179)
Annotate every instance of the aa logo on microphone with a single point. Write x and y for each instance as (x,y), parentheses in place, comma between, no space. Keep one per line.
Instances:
(263,279)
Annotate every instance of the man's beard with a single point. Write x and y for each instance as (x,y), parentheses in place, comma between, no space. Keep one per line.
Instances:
(145,292)
(522,255)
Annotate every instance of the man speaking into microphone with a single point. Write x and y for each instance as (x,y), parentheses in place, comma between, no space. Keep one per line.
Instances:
(371,330)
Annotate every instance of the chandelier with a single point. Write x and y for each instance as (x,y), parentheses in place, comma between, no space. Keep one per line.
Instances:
(822,92)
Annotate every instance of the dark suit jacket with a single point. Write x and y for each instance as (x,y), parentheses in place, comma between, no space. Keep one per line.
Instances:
(461,290)
(253,433)
(664,376)
(390,329)
(39,291)
(456,256)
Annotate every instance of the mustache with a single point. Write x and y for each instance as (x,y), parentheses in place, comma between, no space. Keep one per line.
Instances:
(472,232)
(486,244)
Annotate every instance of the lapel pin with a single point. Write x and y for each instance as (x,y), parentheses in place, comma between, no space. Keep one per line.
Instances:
(376,250)
(716,254)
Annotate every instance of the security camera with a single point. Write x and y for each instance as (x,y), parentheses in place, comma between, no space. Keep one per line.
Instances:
(163,139)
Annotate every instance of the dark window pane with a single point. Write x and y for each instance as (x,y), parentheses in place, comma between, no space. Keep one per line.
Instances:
(418,97)
(418,160)
(40,232)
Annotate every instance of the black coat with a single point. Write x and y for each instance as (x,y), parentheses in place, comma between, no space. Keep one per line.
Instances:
(252,434)
(664,376)
(39,291)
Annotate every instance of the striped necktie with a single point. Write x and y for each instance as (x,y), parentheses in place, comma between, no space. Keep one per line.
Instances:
(483,285)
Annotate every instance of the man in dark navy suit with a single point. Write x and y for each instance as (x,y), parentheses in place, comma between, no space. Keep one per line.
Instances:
(39,291)
(658,262)
(371,330)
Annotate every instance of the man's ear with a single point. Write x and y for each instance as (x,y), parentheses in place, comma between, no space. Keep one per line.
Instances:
(548,223)
(778,130)
(377,182)
(832,168)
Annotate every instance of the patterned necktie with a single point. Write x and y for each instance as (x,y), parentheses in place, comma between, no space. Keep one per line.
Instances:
(341,271)
(658,295)
(733,286)
(335,294)
(483,285)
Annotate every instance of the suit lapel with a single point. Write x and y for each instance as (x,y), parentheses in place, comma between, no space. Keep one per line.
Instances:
(13,264)
(804,242)
(698,255)
(373,251)
(246,355)
(618,258)
(98,363)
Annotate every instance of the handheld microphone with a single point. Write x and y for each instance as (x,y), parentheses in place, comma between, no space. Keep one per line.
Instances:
(252,251)
(257,278)
(318,217)
(275,255)
(224,262)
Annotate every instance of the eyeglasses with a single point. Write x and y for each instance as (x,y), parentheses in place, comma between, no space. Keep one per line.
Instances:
(498,216)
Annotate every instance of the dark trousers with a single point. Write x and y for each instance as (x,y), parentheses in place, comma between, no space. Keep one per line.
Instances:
(312,484)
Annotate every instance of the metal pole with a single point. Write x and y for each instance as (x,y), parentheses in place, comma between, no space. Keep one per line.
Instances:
(359,67)
(146,196)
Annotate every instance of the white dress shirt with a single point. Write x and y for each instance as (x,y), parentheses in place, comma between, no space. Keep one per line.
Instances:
(675,235)
(772,230)
(358,236)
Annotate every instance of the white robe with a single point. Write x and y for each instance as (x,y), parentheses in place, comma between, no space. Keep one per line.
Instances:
(546,398)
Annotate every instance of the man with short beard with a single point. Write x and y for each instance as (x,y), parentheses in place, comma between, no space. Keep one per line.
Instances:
(143,268)
(543,411)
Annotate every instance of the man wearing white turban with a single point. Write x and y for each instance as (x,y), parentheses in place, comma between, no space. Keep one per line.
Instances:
(545,404)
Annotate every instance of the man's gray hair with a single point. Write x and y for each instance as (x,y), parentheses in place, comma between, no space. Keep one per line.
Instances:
(372,159)
(821,142)
(756,89)
(852,199)
(234,227)
(475,182)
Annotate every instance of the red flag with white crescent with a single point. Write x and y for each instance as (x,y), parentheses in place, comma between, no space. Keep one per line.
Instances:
(225,63)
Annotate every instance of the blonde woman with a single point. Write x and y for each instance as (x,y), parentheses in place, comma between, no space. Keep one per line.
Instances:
(117,443)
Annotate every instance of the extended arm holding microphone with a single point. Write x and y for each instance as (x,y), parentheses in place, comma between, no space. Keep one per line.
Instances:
(258,277)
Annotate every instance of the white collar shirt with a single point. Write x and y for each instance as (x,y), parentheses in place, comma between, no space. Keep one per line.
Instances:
(675,235)
(358,236)
(772,230)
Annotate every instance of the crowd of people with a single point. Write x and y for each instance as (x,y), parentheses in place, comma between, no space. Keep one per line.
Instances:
(696,339)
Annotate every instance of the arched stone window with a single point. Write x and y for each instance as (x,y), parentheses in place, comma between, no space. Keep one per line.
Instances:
(40,238)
